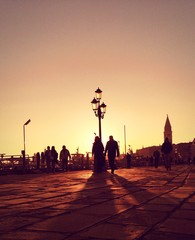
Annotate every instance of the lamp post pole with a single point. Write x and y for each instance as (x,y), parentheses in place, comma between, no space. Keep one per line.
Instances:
(24,138)
(100,125)
(99,109)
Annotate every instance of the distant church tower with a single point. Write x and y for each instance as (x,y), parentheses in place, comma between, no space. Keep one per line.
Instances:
(168,130)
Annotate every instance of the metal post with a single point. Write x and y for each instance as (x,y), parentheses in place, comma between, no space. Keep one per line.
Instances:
(100,127)
(24,138)
(125,138)
(24,151)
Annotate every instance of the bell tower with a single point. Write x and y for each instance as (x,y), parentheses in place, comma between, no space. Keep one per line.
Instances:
(168,130)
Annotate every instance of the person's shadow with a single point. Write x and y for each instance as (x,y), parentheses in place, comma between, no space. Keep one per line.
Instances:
(123,208)
(104,206)
(117,217)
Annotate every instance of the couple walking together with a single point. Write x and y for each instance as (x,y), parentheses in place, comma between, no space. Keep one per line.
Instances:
(99,154)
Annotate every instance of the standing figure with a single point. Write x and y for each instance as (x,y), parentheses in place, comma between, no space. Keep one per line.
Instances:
(98,153)
(113,151)
(48,158)
(156,155)
(54,158)
(38,158)
(64,155)
(43,159)
(166,150)
(128,158)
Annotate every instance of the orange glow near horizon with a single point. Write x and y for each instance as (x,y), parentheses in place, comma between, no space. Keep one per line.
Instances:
(54,55)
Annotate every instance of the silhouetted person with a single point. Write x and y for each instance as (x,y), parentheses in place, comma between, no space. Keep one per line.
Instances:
(48,158)
(38,159)
(128,159)
(156,155)
(43,159)
(166,149)
(113,151)
(98,153)
(54,158)
(64,156)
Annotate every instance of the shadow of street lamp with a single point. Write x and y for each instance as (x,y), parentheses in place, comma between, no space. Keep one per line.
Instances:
(98,108)
(24,151)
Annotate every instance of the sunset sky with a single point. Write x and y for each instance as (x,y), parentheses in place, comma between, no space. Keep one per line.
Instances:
(55,54)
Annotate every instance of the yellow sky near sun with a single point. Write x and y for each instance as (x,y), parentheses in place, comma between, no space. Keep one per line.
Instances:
(54,55)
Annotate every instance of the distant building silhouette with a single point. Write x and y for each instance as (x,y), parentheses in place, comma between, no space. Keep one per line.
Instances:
(181,151)
(168,130)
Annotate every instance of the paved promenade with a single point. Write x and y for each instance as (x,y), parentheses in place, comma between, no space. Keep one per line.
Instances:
(137,203)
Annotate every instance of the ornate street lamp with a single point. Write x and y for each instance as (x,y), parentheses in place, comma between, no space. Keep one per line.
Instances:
(98,108)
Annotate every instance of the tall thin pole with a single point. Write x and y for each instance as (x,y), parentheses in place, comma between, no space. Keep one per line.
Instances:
(23,152)
(24,138)
(125,138)
(100,127)
(26,123)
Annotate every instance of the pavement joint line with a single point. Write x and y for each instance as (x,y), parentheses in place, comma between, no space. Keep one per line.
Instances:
(169,214)
(122,211)
(137,206)
(183,182)
(97,203)
(61,195)
(139,185)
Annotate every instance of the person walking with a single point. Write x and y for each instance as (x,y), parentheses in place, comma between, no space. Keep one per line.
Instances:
(48,158)
(98,154)
(156,155)
(128,159)
(54,158)
(42,159)
(113,151)
(166,149)
(64,156)
(38,159)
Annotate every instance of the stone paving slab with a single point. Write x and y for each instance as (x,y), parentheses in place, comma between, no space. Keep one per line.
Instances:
(177,225)
(138,203)
(157,235)
(184,214)
(138,217)
(112,231)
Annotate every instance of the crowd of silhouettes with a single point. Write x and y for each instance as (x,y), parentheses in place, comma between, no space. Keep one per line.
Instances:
(49,159)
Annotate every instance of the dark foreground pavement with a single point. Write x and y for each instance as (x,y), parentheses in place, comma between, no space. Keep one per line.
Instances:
(138,203)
